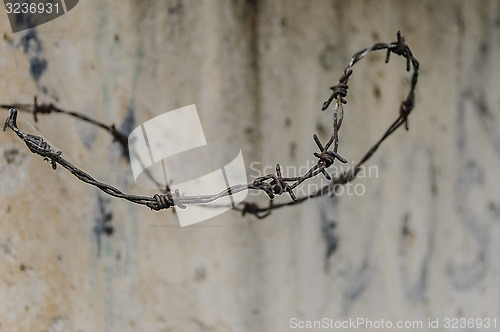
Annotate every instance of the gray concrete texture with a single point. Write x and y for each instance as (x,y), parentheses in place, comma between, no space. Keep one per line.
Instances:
(421,242)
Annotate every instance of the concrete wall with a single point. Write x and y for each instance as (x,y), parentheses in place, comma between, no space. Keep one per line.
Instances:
(422,241)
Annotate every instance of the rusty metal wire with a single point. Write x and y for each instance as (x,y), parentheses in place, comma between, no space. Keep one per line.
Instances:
(271,184)
(36,109)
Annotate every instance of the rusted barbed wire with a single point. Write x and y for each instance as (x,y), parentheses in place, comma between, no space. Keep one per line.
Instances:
(271,184)
(118,136)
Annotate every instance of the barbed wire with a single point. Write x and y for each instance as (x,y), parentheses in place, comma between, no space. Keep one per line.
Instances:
(272,184)
(118,136)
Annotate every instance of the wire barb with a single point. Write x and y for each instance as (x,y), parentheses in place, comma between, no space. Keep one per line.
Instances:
(400,48)
(339,91)
(36,109)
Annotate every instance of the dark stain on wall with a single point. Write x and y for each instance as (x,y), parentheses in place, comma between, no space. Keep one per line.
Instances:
(433,181)
(175,8)
(405,228)
(103,218)
(293,150)
(89,138)
(418,227)
(376,91)
(128,124)
(358,280)
(32,48)
(460,19)
(86,132)
(487,118)
(327,57)
(465,274)
(494,209)
(13,156)
(321,129)
(329,234)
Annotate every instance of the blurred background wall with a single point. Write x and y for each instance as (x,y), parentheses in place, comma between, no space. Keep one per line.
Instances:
(421,241)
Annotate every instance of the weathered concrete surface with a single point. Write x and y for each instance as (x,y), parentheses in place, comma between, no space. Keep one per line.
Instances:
(421,242)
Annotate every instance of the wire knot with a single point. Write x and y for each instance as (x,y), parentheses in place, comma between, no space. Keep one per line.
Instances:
(326,157)
(42,109)
(165,201)
(339,91)
(277,186)
(399,47)
(37,145)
